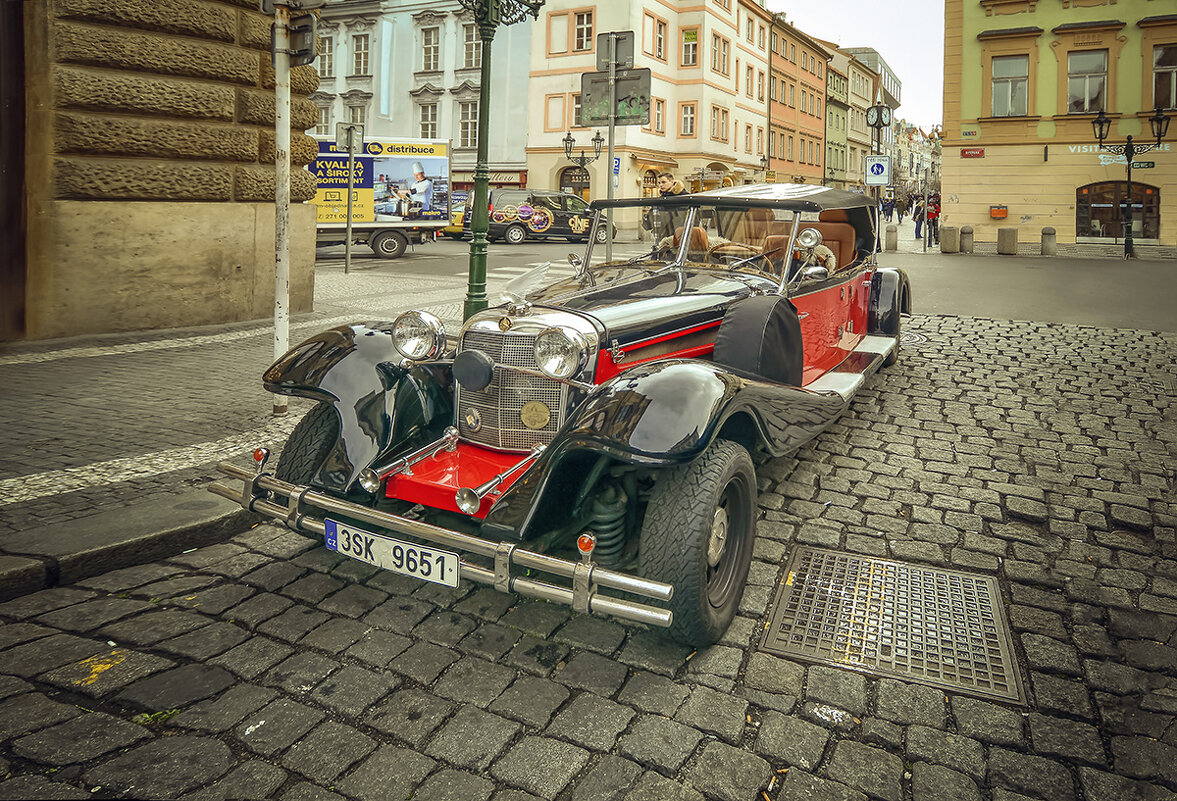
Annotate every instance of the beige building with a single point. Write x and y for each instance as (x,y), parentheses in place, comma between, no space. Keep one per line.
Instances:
(138,148)
(708,98)
(1023,81)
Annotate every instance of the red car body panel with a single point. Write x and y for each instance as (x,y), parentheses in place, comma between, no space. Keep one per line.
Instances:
(434,482)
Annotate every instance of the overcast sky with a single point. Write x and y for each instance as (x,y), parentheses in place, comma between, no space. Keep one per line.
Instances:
(909,34)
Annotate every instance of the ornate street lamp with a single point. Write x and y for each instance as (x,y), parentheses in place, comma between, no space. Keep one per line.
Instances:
(488,14)
(582,160)
(764,168)
(1101,126)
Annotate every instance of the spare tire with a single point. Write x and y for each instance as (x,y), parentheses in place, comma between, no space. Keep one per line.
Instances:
(762,336)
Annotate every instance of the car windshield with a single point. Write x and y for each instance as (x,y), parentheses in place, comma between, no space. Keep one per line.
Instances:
(754,239)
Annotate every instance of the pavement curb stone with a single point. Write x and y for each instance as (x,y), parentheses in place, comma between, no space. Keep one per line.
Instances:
(156,528)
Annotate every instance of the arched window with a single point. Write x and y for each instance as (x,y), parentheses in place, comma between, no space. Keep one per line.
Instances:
(575,181)
(1100,210)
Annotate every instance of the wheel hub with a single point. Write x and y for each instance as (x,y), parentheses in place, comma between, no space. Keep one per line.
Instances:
(718,541)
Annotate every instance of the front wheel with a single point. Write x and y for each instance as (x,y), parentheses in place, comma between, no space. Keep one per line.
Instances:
(389,244)
(515,235)
(602,235)
(308,445)
(697,535)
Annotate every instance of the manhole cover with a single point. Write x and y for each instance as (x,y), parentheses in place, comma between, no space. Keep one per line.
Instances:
(940,627)
(908,338)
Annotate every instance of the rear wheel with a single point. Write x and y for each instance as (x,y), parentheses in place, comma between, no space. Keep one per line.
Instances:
(893,356)
(308,445)
(603,234)
(515,235)
(389,244)
(697,535)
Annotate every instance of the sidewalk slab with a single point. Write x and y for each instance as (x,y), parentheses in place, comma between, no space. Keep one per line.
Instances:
(156,527)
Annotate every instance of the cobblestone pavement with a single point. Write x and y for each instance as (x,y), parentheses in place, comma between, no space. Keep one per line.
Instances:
(267,667)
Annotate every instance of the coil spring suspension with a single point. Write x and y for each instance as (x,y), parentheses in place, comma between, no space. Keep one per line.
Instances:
(607,523)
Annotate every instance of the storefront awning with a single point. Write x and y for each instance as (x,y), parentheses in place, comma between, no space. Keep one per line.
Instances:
(653,159)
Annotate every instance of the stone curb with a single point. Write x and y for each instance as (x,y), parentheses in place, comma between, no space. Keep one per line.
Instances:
(155,528)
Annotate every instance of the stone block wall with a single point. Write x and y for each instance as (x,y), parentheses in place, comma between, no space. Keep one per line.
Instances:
(150,166)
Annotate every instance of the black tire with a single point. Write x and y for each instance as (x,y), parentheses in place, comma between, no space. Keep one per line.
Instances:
(681,518)
(515,235)
(308,445)
(602,234)
(455,236)
(389,244)
(893,356)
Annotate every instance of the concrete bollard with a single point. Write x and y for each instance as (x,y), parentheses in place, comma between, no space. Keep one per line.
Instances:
(966,239)
(1007,241)
(1049,242)
(949,239)
(891,241)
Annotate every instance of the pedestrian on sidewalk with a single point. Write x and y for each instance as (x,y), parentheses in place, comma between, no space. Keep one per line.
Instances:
(901,208)
(934,219)
(918,216)
(888,209)
(661,225)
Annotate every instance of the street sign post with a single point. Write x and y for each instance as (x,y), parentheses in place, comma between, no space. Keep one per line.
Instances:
(878,170)
(632,104)
(624,50)
(349,137)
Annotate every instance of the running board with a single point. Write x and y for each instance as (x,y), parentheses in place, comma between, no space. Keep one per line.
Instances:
(865,359)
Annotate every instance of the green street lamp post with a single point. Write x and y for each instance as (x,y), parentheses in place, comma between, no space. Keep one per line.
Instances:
(488,14)
(1101,125)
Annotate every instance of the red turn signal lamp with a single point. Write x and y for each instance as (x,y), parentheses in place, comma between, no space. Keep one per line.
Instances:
(261,454)
(585,543)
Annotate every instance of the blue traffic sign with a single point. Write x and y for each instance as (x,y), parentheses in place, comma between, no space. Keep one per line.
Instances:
(876,169)
(617,165)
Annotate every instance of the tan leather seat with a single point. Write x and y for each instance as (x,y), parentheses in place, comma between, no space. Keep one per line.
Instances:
(697,247)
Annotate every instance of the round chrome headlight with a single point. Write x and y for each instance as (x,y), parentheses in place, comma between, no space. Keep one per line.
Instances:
(809,238)
(418,335)
(560,352)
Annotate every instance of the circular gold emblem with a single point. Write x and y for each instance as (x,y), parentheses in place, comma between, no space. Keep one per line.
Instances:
(535,415)
(473,420)
(504,323)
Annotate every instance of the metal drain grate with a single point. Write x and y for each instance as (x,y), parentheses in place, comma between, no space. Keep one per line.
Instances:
(945,628)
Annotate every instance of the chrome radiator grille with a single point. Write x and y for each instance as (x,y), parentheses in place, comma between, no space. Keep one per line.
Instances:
(498,406)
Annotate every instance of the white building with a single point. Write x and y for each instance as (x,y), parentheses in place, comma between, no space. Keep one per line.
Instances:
(410,68)
(708,97)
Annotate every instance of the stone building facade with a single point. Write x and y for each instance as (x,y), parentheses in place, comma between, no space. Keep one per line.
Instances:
(148,168)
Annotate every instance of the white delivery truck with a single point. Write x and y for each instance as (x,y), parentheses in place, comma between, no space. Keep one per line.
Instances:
(400,193)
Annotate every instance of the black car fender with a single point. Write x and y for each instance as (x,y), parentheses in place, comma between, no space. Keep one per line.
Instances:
(381,404)
(890,296)
(666,413)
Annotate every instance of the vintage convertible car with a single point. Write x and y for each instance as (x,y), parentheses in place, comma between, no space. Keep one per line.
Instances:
(591,441)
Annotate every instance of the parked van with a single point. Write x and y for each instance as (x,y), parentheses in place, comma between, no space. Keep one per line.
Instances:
(517,215)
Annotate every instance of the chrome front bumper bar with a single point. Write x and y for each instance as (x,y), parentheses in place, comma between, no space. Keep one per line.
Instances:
(304,509)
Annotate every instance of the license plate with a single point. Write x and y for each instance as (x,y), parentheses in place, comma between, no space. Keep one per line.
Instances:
(406,558)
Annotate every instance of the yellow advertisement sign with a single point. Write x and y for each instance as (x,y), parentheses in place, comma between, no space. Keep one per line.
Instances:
(331,203)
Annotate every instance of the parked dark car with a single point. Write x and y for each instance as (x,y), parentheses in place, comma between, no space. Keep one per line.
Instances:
(592,441)
(517,215)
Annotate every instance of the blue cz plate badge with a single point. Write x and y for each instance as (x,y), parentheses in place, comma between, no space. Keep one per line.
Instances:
(406,558)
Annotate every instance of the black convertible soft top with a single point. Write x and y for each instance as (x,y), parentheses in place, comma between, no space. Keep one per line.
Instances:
(792,197)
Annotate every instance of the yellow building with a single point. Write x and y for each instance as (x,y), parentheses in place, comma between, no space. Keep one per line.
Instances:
(1023,80)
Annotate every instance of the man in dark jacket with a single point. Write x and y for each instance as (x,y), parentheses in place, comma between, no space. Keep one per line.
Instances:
(659,223)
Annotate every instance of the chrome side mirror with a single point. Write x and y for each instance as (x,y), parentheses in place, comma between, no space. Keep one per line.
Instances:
(575,261)
(817,272)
